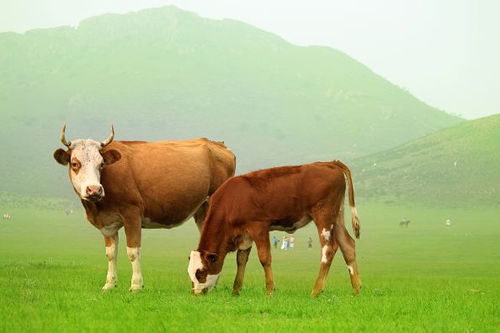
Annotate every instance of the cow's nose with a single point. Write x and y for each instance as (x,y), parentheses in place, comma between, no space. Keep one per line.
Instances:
(94,190)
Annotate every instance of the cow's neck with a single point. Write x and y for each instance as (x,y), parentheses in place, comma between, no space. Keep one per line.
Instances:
(216,237)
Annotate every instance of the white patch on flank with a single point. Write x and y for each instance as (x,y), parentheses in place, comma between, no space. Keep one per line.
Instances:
(325,234)
(350,269)
(134,254)
(324,249)
(195,264)
(88,154)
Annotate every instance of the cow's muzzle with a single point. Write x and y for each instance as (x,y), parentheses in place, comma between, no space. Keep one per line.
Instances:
(94,193)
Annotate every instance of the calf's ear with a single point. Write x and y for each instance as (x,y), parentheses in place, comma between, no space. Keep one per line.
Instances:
(111,156)
(211,257)
(61,156)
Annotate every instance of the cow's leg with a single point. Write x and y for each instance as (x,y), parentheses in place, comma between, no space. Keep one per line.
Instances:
(241,262)
(348,248)
(200,214)
(132,225)
(324,223)
(261,239)
(111,243)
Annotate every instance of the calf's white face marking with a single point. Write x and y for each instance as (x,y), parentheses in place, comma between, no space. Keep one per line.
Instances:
(196,264)
(86,163)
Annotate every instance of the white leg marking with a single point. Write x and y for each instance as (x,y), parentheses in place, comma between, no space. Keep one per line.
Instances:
(325,234)
(111,252)
(324,249)
(134,254)
(350,269)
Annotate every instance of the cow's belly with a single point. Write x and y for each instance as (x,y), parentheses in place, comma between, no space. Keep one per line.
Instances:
(290,227)
(168,223)
(147,223)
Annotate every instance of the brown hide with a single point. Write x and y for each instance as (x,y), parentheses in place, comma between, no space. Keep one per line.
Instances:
(271,199)
(165,182)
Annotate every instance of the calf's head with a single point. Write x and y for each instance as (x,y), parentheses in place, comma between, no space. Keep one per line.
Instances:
(86,160)
(204,270)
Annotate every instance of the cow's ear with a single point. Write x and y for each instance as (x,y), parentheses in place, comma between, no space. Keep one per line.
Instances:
(211,257)
(111,156)
(61,156)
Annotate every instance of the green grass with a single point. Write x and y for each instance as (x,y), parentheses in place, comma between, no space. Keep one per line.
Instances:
(423,278)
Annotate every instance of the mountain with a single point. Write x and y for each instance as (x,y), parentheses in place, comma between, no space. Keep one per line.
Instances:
(166,73)
(457,166)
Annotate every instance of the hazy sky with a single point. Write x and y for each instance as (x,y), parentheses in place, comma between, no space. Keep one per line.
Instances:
(445,52)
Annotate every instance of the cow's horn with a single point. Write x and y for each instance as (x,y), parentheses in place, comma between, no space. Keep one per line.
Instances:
(63,137)
(109,139)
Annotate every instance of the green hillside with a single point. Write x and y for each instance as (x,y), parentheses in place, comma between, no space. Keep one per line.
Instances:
(169,74)
(458,166)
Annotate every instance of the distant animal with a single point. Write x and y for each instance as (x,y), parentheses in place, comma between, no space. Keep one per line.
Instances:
(138,184)
(404,223)
(245,208)
(7,217)
(68,211)
(448,223)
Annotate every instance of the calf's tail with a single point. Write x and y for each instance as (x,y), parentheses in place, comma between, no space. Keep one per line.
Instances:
(354,213)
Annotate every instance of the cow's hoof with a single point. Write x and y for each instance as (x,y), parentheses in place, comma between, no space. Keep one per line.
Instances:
(136,288)
(236,293)
(108,286)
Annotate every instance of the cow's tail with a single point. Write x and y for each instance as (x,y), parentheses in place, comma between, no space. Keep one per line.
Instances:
(354,213)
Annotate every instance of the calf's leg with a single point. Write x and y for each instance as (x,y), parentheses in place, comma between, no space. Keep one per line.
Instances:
(324,224)
(111,243)
(348,248)
(261,239)
(241,262)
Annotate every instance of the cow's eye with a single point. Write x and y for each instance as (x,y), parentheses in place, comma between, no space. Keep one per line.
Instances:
(74,165)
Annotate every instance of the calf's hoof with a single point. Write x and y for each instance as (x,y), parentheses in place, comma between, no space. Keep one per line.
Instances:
(236,292)
(316,293)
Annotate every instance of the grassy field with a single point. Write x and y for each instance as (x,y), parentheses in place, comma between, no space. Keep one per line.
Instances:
(426,277)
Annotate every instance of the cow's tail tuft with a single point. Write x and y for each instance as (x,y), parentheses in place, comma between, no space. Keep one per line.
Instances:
(354,213)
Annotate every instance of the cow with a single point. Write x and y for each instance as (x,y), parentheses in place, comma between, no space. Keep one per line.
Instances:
(139,184)
(404,223)
(7,217)
(247,207)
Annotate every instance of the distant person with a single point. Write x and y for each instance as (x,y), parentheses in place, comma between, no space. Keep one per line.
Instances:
(404,222)
(448,222)
(291,242)
(284,243)
(276,240)
(309,243)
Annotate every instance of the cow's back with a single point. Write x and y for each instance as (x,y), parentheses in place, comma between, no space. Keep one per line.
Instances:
(279,194)
(167,179)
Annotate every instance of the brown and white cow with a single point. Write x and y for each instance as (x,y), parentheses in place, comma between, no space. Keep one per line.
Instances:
(136,184)
(245,208)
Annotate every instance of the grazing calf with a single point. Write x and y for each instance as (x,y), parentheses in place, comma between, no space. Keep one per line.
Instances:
(245,208)
(137,185)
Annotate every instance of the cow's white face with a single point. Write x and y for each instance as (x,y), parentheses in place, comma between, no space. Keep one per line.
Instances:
(203,272)
(85,161)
